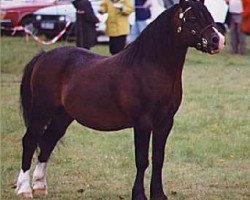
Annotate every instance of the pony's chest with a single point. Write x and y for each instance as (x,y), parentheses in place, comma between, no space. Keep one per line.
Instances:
(164,89)
(168,96)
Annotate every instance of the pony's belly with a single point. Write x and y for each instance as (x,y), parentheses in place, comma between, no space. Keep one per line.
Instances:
(104,123)
(96,110)
(100,118)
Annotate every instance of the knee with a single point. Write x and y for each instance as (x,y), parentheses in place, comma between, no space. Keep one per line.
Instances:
(29,140)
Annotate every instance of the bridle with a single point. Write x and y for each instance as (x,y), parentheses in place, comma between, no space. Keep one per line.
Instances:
(202,42)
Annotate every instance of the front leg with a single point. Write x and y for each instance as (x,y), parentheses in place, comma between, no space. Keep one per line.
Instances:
(141,137)
(23,184)
(160,135)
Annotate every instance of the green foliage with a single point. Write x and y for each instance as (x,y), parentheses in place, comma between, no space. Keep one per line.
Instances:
(207,154)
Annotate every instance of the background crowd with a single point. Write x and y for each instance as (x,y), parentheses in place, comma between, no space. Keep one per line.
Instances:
(120,31)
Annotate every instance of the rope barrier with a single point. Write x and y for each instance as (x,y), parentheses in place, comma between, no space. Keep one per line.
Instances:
(36,38)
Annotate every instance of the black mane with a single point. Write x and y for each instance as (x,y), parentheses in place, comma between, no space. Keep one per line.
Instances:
(153,41)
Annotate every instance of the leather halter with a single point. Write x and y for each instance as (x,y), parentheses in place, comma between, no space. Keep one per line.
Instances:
(202,43)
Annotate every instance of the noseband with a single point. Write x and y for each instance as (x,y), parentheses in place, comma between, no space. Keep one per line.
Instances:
(202,42)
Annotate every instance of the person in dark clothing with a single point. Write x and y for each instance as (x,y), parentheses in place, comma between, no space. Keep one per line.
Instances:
(85,24)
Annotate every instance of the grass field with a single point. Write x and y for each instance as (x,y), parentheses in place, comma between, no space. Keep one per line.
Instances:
(207,154)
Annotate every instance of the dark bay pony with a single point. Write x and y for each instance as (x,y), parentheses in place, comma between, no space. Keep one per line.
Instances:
(138,88)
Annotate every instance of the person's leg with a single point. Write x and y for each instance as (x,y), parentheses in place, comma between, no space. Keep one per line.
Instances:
(241,37)
(142,25)
(134,32)
(112,45)
(116,44)
(233,36)
(242,43)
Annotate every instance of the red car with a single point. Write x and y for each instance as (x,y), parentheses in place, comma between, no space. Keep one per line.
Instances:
(20,12)
(246,17)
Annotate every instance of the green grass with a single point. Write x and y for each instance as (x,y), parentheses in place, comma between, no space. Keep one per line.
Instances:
(207,154)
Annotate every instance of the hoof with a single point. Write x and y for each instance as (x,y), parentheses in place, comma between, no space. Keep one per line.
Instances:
(26,195)
(40,192)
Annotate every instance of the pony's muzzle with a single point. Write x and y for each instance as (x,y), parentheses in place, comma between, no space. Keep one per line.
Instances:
(221,41)
(217,42)
(215,39)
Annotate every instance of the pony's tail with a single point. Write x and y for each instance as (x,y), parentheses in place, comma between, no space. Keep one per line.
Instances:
(25,90)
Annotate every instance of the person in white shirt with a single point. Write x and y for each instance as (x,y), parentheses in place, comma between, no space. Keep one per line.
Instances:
(237,37)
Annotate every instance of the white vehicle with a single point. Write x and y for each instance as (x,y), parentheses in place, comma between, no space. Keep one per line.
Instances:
(51,20)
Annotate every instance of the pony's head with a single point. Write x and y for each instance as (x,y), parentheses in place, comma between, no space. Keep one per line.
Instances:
(195,27)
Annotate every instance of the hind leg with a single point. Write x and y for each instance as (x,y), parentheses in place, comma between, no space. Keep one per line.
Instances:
(37,122)
(47,143)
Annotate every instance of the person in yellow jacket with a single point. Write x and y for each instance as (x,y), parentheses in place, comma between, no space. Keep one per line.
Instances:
(117,23)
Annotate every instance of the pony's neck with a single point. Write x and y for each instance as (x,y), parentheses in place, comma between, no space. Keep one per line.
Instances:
(157,43)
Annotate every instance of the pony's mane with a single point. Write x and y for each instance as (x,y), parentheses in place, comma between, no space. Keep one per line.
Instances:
(152,42)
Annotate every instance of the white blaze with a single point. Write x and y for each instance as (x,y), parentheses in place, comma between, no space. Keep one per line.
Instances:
(221,39)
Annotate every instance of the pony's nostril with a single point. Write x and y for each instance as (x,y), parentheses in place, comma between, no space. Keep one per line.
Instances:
(215,40)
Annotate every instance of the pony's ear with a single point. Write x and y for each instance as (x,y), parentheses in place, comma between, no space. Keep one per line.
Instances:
(182,2)
(202,1)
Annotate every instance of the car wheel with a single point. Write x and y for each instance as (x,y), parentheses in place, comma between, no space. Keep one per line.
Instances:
(27,23)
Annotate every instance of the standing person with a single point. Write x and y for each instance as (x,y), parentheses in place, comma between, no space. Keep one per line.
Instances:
(237,37)
(117,23)
(169,3)
(142,13)
(85,24)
